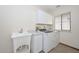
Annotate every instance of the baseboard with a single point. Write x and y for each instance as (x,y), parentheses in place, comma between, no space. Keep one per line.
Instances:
(70,46)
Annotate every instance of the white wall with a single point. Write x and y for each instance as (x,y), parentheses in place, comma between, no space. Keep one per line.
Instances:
(70,38)
(12,18)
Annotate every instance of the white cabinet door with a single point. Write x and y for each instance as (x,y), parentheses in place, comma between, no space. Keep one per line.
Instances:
(36,43)
(56,36)
(43,17)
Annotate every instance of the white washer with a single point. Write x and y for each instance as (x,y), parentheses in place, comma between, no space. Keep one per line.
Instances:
(36,42)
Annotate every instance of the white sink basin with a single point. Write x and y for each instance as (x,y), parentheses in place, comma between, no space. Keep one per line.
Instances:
(14,35)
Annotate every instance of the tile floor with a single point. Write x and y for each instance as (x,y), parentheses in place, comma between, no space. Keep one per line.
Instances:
(61,48)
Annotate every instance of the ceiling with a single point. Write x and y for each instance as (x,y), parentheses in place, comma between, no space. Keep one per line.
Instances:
(49,8)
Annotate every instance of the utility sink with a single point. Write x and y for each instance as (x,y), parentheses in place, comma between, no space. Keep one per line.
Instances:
(21,42)
(15,35)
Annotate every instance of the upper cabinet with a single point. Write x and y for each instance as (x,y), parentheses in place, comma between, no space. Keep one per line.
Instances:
(43,17)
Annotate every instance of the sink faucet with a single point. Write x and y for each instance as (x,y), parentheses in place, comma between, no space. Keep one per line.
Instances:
(21,30)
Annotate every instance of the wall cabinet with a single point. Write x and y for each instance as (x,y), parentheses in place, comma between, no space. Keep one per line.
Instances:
(43,17)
